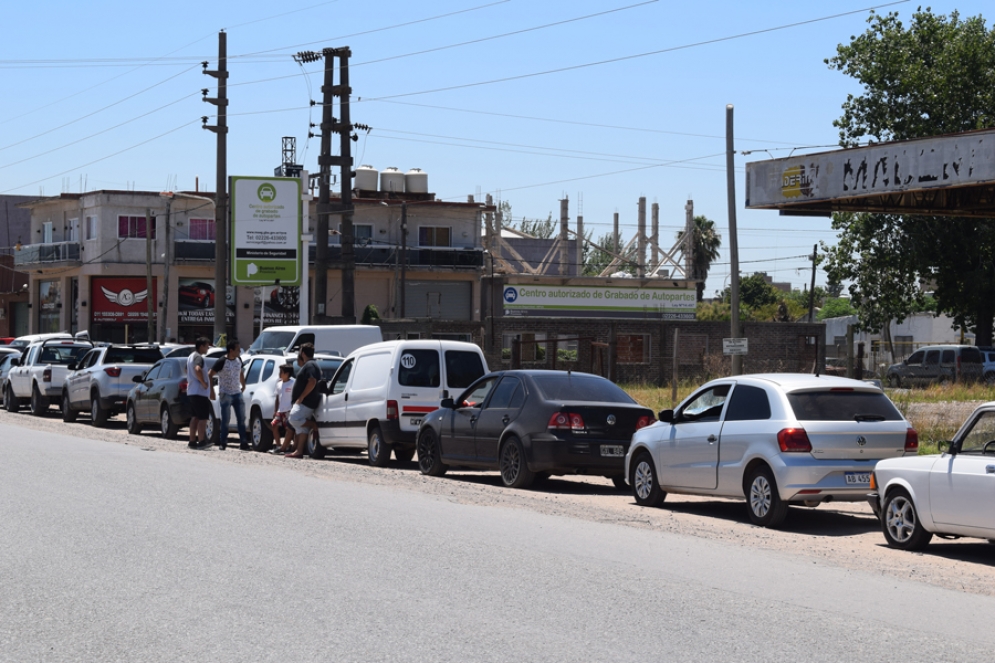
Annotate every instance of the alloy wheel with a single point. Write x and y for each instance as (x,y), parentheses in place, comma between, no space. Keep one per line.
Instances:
(760,497)
(900,519)
(643,480)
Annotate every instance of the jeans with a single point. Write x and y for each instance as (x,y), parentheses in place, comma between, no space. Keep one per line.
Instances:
(228,402)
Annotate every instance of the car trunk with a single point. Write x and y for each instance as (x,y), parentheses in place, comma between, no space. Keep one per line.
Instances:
(848,424)
(123,383)
(596,418)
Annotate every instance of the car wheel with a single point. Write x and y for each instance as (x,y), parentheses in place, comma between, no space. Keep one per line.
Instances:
(131,417)
(620,483)
(313,446)
(430,454)
(403,456)
(10,401)
(377,450)
(212,429)
(167,428)
(98,415)
(895,381)
(900,522)
(515,472)
(262,436)
(68,413)
(642,477)
(764,504)
(39,406)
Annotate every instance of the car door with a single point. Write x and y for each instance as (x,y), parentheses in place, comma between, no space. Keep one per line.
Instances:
(366,396)
(929,372)
(962,485)
(141,398)
(689,455)
(157,389)
(501,409)
(19,377)
(331,416)
(458,439)
(79,380)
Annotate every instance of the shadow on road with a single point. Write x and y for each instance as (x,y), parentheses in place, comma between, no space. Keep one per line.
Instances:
(820,521)
(971,551)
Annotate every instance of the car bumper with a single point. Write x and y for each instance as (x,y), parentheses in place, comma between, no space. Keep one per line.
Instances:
(806,479)
(875,501)
(552,454)
(54,392)
(395,437)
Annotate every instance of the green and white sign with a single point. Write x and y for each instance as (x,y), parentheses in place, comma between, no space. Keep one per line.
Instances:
(266,231)
(599,301)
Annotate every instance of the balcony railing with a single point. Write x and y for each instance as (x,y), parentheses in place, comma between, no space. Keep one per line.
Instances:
(34,254)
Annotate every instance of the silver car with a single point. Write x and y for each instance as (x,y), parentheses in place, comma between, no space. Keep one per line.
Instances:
(776,439)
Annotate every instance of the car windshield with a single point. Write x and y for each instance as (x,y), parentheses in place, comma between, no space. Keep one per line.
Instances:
(272,342)
(843,406)
(580,388)
(132,356)
(62,354)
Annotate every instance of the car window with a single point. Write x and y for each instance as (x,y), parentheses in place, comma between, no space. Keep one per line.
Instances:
(255,369)
(61,354)
(301,340)
(169,370)
(842,406)
(153,372)
(916,358)
(131,355)
(748,404)
(419,368)
(580,388)
(268,369)
(707,405)
(970,356)
(504,393)
(328,367)
(341,378)
(947,357)
(477,394)
(462,368)
(982,432)
(932,358)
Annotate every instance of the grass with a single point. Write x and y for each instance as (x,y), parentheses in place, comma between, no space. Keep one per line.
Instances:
(924,408)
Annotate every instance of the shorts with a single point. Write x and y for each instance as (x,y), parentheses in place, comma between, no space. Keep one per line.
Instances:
(299,414)
(200,407)
(281,420)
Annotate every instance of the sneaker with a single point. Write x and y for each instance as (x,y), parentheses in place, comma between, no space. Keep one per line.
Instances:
(243,446)
(222,447)
(191,445)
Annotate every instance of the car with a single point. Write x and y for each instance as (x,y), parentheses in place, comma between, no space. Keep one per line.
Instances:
(947,494)
(159,397)
(337,340)
(187,350)
(988,364)
(533,423)
(197,294)
(937,364)
(100,381)
(6,363)
(774,439)
(40,373)
(24,341)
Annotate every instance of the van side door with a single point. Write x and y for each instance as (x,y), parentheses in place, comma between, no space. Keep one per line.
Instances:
(367,395)
(331,414)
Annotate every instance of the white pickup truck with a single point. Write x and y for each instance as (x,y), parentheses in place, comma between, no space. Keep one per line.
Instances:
(39,374)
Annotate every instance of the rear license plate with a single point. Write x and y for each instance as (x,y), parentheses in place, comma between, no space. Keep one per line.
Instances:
(858,478)
(415,422)
(612,450)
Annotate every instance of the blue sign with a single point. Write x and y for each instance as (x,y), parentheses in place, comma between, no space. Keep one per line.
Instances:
(510,294)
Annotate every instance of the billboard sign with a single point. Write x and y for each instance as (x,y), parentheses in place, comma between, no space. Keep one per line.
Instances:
(120,299)
(195,301)
(600,301)
(266,230)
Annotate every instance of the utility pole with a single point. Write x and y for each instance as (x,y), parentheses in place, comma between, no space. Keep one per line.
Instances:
(404,257)
(165,279)
(149,299)
(737,360)
(324,195)
(689,241)
(344,129)
(641,237)
(811,290)
(220,187)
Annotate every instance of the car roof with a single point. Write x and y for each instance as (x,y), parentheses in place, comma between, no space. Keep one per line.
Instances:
(799,381)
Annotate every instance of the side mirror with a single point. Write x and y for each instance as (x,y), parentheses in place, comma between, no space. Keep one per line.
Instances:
(946,447)
(71,366)
(448,404)
(666,416)
(15,362)
(138,378)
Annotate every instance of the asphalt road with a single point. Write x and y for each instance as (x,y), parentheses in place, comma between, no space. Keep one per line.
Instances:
(112,553)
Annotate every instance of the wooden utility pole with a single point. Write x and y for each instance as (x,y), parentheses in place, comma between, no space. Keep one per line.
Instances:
(149,299)
(220,188)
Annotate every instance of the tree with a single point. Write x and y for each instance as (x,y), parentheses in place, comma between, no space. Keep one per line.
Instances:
(935,77)
(836,307)
(597,258)
(705,243)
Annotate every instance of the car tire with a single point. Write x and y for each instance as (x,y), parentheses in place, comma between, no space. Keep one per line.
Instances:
(39,406)
(620,483)
(645,484)
(313,447)
(167,428)
(763,502)
(212,430)
(430,454)
(900,522)
(403,456)
(515,472)
(895,381)
(98,415)
(377,449)
(10,400)
(68,413)
(260,435)
(131,420)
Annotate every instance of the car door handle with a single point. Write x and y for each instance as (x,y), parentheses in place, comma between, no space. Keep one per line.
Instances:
(989,469)
(473,420)
(505,419)
(712,439)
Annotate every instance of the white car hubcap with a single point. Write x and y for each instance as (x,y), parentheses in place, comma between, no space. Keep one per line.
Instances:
(643,480)
(760,496)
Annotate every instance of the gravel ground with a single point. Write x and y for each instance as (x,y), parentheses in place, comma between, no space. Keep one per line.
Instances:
(842,535)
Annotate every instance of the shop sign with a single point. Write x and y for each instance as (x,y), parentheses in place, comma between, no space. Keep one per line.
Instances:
(195,301)
(281,304)
(266,230)
(50,296)
(120,299)
(600,301)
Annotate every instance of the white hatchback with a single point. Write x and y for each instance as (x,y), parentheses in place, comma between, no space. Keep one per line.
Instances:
(775,439)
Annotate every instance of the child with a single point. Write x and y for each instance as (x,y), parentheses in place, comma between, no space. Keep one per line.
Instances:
(284,391)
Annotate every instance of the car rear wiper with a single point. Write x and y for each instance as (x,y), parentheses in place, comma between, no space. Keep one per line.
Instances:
(868,417)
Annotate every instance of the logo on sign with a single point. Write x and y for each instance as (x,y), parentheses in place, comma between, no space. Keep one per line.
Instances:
(408,361)
(126,297)
(510,295)
(266,192)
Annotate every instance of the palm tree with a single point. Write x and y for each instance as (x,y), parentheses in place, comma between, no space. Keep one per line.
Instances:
(705,243)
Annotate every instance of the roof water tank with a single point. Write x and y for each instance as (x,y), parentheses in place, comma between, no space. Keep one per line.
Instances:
(366,178)
(416,181)
(392,179)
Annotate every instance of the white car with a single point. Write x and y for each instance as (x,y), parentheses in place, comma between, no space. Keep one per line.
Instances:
(947,494)
(775,439)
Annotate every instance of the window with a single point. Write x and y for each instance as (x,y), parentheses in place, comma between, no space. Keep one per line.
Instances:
(707,405)
(580,388)
(46,232)
(947,357)
(903,344)
(342,378)
(971,356)
(462,368)
(132,227)
(132,355)
(982,432)
(255,369)
(477,396)
(505,394)
(268,370)
(90,228)
(916,358)
(201,230)
(434,236)
(842,406)
(748,404)
(419,368)
(153,372)
(932,358)
(73,231)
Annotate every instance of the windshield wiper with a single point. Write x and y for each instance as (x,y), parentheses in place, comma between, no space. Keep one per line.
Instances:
(868,417)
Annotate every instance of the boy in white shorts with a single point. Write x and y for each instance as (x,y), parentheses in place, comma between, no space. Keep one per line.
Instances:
(284,401)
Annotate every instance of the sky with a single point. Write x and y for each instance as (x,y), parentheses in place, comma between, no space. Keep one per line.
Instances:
(598,101)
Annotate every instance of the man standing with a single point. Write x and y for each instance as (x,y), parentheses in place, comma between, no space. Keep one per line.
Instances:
(231,384)
(306,398)
(198,389)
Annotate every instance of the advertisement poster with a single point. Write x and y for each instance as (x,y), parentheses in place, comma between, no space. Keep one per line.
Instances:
(120,299)
(600,301)
(266,230)
(281,304)
(195,301)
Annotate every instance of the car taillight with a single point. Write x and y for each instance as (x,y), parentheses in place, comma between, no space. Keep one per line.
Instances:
(46,375)
(391,410)
(911,440)
(794,440)
(113,371)
(644,421)
(183,386)
(566,421)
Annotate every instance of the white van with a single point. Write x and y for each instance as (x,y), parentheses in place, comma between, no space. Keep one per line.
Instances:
(327,339)
(381,393)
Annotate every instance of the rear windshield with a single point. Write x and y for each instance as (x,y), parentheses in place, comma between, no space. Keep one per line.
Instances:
(132,356)
(462,368)
(970,356)
(61,354)
(842,406)
(580,388)
(419,368)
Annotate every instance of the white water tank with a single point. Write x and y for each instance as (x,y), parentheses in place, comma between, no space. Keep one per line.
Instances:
(366,178)
(416,181)
(392,180)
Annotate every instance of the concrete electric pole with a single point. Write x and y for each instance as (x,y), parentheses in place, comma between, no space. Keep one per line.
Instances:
(221,187)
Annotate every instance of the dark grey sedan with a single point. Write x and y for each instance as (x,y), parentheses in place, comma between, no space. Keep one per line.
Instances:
(533,424)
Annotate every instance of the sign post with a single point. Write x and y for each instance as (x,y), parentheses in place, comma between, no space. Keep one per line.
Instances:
(735,346)
(266,231)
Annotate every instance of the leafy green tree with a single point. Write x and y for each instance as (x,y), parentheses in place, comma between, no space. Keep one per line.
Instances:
(597,259)
(370,315)
(936,76)
(755,292)
(835,307)
(705,243)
